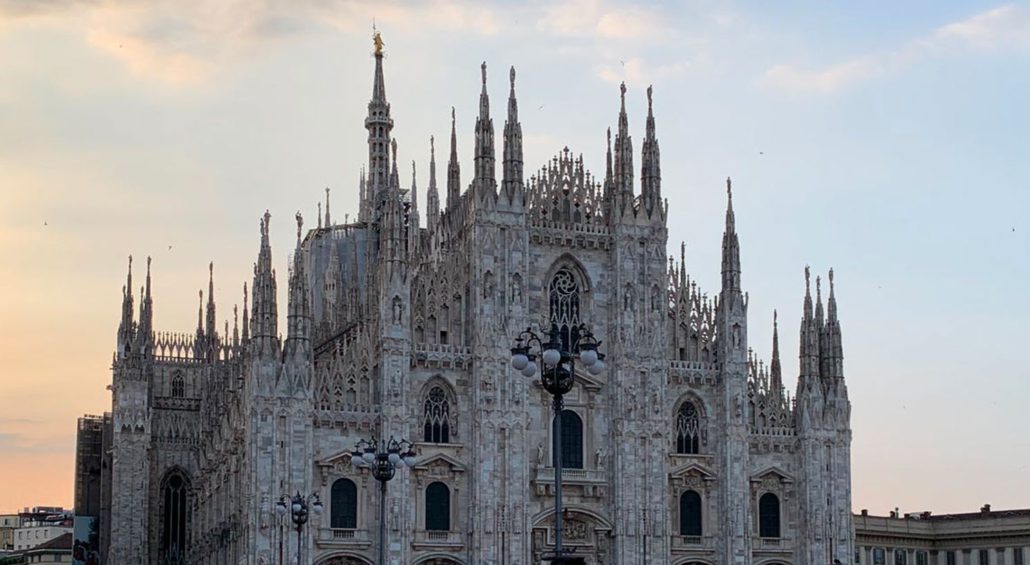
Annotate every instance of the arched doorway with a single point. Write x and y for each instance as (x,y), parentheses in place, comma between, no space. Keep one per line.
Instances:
(344,560)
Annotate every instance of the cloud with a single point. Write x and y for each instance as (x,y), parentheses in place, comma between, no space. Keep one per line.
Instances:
(185,42)
(636,71)
(592,19)
(1003,29)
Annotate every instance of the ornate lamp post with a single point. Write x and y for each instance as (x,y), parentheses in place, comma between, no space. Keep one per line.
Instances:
(557,377)
(298,507)
(383,458)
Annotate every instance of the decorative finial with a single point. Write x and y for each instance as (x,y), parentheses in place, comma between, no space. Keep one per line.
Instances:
(818,289)
(831,281)
(483,68)
(393,146)
(609,137)
(300,223)
(649,88)
(377,40)
(807,277)
(148,269)
(511,75)
(452,117)
(729,189)
(432,148)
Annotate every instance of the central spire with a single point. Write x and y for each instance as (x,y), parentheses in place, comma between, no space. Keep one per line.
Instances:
(453,169)
(379,125)
(730,247)
(512,178)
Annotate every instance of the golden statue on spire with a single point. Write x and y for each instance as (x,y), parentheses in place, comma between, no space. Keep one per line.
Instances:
(377,40)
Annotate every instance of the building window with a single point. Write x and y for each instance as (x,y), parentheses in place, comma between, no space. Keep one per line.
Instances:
(858,555)
(984,557)
(1017,556)
(879,556)
(436,425)
(343,504)
(688,429)
(690,514)
(571,440)
(564,306)
(769,516)
(176,518)
(949,558)
(921,558)
(438,507)
(900,557)
(178,386)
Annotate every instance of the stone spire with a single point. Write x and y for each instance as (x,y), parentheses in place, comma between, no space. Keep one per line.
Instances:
(623,169)
(328,222)
(651,171)
(246,316)
(730,247)
(146,314)
(379,125)
(485,169)
(395,177)
(808,355)
(453,169)
(125,328)
(298,332)
(364,205)
(833,351)
(210,328)
(265,312)
(775,371)
(433,195)
(512,179)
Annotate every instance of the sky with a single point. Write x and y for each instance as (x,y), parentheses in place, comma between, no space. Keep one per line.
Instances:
(886,140)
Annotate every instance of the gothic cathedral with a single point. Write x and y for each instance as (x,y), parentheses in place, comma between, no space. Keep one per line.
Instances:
(685,449)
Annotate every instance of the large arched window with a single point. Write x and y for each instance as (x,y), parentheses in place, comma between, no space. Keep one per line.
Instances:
(564,306)
(438,507)
(436,416)
(343,504)
(175,514)
(178,386)
(901,557)
(688,429)
(690,513)
(769,516)
(571,440)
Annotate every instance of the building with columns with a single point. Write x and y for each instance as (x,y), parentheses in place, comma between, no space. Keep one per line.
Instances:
(987,537)
(686,449)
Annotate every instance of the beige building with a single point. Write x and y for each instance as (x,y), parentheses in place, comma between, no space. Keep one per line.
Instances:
(8,523)
(987,537)
(57,550)
(36,534)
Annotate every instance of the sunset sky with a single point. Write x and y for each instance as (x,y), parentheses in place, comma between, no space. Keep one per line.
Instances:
(888,140)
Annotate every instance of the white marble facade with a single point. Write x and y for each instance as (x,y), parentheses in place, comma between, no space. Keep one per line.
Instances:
(686,449)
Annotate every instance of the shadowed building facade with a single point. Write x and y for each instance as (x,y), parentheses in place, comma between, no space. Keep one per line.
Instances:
(686,449)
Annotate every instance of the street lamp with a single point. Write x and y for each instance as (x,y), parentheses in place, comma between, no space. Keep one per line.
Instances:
(298,507)
(557,377)
(383,458)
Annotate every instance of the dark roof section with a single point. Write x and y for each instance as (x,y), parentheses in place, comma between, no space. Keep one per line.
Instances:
(63,541)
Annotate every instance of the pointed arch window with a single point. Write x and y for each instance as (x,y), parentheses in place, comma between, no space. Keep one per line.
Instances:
(564,306)
(176,515)
(571,440)
(688,429)
(343,504)
(690,513)
(436,416)
(438,507)
(769,516)
(178,386)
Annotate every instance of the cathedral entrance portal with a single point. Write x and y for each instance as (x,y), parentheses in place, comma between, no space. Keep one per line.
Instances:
(584,535)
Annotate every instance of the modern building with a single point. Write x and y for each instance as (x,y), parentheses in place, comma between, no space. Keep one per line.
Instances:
(37,533)
(685,449)
(8,524)
(987,537)
(54,551)
(93,482)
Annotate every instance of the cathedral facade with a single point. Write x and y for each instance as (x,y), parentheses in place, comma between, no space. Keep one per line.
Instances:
(685,449)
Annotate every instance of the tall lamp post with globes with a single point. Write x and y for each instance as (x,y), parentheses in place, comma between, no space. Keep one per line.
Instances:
(383,458)
(557,377)
(298,508)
